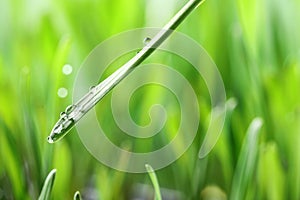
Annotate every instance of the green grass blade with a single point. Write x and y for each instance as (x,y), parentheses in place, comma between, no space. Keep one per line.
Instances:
(271,176)
(47,187)
(11,160)
(246,161)
(77,196)
(154,182)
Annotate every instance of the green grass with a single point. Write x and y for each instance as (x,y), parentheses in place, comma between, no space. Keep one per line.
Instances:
(256,46)
(154,182)
(47,187)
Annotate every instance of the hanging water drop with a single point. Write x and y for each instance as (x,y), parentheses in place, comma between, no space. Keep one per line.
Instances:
(50,140)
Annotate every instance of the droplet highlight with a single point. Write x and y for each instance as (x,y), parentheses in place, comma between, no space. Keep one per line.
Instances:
(50,140)
(67,69)
(62,92)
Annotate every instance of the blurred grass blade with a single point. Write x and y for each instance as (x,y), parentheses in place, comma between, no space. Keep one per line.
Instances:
(246,161)
(47,187)
(11,160)
(200,169)
(63,163)
(218,115)
(271,175)
(154,182)
(77,196)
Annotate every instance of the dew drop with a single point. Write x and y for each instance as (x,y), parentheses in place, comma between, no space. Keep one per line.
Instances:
(146,41)
(69,109)
(92,87)
(62,92)
(50,140)
(67,69)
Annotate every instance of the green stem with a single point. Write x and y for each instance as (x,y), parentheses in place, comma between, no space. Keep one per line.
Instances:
(165,32)
(88,101)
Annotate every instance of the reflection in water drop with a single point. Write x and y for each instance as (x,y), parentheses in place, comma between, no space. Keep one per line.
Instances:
(67,69)
(146,40)
(62,92)
(50,140)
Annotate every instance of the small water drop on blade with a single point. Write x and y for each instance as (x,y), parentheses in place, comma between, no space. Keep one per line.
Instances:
(146,41)
(69,109)
(92,87)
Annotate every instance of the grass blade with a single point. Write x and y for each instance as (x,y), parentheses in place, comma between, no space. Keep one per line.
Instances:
(271,176)
(77,196)
(47,187)
(246,161)
(154,182)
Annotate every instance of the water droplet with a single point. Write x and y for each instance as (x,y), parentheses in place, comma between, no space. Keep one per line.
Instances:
(146,41)
(50,139)
(92,87)
(67,69)
(62,92)
(62,114)
(69,109)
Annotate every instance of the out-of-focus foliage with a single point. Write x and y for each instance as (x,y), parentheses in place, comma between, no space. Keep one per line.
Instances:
(47,187)
(256,46)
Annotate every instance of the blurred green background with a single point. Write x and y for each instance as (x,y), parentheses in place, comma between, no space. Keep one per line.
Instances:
(256,46)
